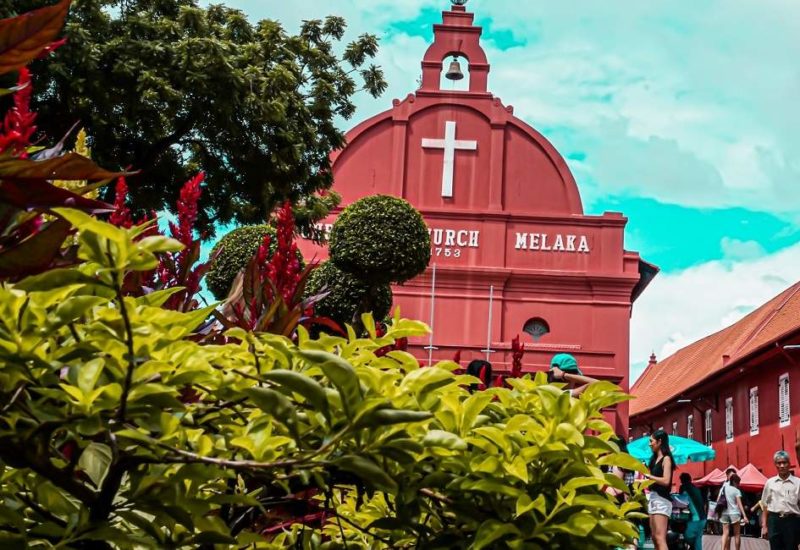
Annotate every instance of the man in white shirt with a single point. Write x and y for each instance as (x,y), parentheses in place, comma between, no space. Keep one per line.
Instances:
(781,500)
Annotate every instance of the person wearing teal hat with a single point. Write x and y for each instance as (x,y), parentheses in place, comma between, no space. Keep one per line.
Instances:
(564,368)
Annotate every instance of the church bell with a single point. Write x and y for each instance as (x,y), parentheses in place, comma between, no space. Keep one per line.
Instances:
(454,72)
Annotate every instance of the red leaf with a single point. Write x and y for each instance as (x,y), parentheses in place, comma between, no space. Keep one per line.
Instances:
(325,322)
(40,194)
(35,253)
(71,166)
(24,37)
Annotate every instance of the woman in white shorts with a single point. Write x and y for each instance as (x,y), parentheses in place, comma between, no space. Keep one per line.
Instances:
(734,513)
(659,503)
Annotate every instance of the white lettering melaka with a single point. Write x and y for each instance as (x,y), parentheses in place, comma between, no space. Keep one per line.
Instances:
(541,241)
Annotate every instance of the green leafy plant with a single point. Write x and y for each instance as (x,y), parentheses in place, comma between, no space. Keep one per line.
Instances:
(97,448)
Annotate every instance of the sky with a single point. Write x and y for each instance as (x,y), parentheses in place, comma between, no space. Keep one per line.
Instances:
(681,114)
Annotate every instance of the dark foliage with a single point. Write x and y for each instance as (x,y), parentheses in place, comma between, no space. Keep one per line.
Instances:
(347,295)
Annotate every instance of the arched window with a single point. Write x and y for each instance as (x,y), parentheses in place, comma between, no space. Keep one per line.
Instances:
(452,62)
(536,327)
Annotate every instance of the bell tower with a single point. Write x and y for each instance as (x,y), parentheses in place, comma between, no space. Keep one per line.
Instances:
(456,36)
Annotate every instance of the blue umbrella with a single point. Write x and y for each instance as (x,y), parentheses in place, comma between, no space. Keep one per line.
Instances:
(683,450)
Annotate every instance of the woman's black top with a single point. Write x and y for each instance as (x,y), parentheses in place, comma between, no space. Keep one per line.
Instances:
(658,471)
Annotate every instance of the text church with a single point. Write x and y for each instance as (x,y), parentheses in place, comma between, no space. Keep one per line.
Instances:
(512,251)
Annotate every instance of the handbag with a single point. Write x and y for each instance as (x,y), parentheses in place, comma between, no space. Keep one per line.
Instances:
(722,502)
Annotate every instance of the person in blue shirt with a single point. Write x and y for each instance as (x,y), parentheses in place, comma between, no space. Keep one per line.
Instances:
(696,526)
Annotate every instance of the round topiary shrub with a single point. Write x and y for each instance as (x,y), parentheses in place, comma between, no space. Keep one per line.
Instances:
(238,247)
(381,239)
(347,295)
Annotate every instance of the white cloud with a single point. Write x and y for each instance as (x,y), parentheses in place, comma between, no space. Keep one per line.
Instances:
(680,308)
(735,249)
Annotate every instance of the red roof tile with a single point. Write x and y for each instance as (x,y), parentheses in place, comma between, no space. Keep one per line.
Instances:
(667,379)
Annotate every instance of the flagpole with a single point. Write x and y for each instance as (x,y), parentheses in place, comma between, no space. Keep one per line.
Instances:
(430,346)
(488,349)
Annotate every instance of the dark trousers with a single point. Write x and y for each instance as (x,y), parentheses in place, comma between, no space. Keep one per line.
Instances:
(784,533)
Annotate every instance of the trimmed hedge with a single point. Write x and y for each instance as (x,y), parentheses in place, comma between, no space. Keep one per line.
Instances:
(238,247)
(381,239)
(346,296)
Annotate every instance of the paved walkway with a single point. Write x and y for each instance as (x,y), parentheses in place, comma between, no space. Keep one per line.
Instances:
(711,542)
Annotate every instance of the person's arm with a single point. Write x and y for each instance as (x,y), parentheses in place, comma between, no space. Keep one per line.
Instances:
(741,506)
(765,511)
(578,378)
(667,478)
(560,375)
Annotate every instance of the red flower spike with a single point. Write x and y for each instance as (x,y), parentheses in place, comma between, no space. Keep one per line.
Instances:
(283,269)
(121,217)
(18,127)
(187,209)
(517,352)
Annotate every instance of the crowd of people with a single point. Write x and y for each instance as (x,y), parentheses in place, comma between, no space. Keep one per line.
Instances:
(778,509)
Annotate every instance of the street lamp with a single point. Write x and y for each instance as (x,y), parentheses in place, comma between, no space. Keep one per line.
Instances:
(458,2)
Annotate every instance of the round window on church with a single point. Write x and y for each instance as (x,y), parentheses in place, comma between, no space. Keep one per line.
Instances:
(536,327)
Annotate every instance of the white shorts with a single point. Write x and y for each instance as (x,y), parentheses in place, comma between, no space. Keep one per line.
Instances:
(658,505)
(731,516)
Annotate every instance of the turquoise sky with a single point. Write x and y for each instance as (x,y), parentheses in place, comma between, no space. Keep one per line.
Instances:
(680,114)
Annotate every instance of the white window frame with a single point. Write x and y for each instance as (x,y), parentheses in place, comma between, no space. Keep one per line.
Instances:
(674,427)
(708,426)
(690,426)
(784,403)
(729,419)
(754,421)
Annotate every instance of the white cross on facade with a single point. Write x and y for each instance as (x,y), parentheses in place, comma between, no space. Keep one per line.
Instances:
(450,144)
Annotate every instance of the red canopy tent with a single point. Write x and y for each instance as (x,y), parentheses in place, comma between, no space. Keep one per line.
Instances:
(714,477)
(752,479)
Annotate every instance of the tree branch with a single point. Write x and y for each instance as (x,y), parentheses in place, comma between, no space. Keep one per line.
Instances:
(60,478)
(123,311)
(159,147)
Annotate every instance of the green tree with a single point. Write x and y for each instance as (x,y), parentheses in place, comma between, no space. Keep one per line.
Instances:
(168,87)
(375,242)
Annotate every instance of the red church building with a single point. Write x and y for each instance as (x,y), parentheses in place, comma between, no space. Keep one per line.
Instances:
(513,252)
(736,390)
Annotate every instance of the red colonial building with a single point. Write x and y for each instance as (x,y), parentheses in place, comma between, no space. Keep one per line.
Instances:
(737,390)
(512,250)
